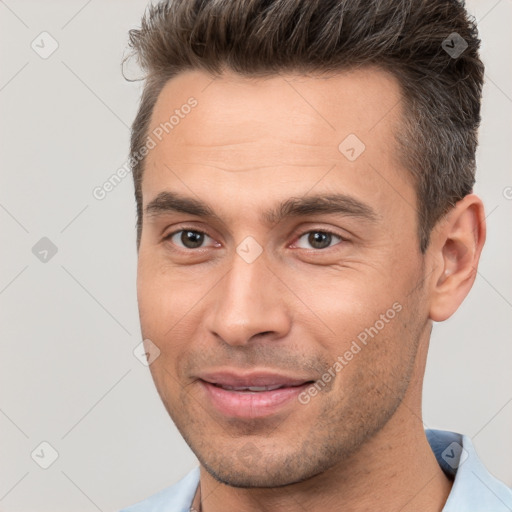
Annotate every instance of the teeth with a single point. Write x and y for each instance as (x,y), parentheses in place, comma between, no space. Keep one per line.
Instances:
(250,388)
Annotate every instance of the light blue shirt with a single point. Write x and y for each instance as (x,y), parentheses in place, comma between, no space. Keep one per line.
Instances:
(474,488)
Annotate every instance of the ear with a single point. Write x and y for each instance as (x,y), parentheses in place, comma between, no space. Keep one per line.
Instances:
(456,243)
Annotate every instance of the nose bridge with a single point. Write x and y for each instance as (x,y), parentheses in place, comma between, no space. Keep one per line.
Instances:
(247,303)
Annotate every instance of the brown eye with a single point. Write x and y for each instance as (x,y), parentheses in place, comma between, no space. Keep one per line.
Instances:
(318,239)
(187,238)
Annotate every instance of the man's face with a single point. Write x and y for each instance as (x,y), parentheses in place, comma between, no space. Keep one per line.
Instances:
(238,298)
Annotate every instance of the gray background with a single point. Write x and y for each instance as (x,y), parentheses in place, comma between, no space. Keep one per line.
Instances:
(68,375)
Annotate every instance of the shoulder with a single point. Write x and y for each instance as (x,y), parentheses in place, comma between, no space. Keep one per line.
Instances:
(176,498)
(474,487)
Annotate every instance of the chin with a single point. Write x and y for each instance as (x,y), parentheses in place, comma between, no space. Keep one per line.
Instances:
(271,473)
(255,479)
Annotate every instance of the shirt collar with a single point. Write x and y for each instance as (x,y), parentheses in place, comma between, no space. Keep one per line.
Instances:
(474,488)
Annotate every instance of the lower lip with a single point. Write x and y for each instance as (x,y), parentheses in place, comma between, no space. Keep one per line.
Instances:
(247,404)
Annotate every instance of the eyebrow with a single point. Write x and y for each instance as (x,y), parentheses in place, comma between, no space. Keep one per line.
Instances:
(172,202)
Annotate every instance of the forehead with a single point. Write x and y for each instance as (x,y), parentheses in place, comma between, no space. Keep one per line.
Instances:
(289,128)
(314,110)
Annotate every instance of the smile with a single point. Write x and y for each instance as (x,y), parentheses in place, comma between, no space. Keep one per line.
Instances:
(255,395)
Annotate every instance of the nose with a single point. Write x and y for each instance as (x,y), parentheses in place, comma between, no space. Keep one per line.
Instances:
(249,302)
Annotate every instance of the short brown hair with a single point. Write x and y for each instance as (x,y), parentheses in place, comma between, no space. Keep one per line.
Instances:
(409,38)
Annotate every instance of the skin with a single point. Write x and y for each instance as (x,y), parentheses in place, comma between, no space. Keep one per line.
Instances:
(248,145)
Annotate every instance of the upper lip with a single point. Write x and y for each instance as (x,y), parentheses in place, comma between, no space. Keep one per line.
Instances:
(261,378)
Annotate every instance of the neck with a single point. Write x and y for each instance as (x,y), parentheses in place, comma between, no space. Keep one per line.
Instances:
(395,470)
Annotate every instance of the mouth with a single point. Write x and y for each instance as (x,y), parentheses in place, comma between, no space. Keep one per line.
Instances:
(252,389)
(254,395)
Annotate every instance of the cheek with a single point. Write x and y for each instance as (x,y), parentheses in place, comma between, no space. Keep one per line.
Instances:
(170,310)
(349,303)
(363,326)
(163,299)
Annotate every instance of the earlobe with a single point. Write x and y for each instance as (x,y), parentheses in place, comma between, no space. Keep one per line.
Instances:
(458,242)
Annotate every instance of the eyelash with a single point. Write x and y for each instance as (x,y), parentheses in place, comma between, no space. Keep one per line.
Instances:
(298,237)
